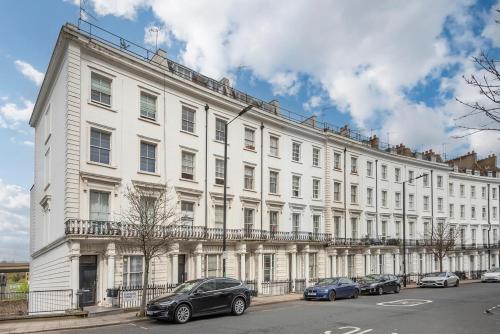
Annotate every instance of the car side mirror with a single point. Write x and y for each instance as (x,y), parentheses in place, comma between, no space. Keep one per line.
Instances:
(198,292)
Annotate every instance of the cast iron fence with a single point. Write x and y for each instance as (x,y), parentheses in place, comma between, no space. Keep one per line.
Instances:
(131,296)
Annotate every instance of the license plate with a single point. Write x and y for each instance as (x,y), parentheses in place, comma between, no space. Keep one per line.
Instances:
(149,313)
(311,294)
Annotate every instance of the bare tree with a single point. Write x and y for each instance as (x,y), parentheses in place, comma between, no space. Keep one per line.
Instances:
(441,241)
(486,109)
(152,210)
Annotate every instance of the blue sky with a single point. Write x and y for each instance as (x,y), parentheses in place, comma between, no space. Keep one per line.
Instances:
(392,69)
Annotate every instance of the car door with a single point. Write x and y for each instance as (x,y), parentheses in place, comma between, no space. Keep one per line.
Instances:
(226,288)
(203,298)
(344,288)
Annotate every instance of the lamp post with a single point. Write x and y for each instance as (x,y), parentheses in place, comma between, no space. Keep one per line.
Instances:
(224,225)
(404,226)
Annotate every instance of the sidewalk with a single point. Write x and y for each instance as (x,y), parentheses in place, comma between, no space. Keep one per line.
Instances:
(65,323)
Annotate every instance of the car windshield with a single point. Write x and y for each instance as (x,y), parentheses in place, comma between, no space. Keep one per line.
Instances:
(328,281)
(186,286)
(437,275)
(497,270)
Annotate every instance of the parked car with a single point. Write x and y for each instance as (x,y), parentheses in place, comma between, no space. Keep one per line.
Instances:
(333,288)
(440,279)
(379,284)
(201,297)
(491,276)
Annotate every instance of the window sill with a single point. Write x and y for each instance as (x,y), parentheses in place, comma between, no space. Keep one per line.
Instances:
(101,105)
(188,180)
(250,190)
(147,173)
(317,199)
(296,197)
(297,162)
(101,164)
(337,169)
(337,201)
(220,186)
(249,150)
(355,173)
(148,120)
(274,156)
(220,142)
(189,133)
(274,194)
(316,166)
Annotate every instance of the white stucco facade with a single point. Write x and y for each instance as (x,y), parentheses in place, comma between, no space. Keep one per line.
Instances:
(331,211)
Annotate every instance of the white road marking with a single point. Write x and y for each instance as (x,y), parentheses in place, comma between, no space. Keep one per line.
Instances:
(406,302)
(355,330)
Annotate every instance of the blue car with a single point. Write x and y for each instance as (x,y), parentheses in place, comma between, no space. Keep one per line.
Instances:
(333,288)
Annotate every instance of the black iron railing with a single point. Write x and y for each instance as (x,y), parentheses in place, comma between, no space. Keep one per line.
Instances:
(131,296)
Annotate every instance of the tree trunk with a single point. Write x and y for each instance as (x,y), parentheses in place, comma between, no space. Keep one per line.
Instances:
(142,311)
(441,264)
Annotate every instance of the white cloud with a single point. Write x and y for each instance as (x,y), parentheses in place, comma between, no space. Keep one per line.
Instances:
(363,57)
(314,102)
(30,72)
(123,8)
(155,35)
(14,213)
(12,114)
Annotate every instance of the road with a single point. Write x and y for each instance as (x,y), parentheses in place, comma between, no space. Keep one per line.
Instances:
(413,311)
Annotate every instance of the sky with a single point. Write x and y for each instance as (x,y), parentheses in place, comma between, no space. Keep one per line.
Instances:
(390,68)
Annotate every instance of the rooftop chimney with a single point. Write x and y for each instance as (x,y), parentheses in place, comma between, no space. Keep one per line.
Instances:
(374,141)
(160,57)
(276,105)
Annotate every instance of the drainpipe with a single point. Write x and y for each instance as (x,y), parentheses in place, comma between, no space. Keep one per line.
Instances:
(489,229)
(376,198)
(345,195)
(432,206)
(206,165)
(261,177)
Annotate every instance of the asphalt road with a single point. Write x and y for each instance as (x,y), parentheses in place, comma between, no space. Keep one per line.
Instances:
(419,311)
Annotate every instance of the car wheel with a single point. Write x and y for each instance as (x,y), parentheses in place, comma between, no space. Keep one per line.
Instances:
(457,283)
(380,291)
(182,314)
(332,296)
(445,285)
(238,306)
(398,288)
(355,294)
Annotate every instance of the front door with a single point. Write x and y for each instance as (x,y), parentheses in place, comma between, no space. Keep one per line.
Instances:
(88,279)
(181,269)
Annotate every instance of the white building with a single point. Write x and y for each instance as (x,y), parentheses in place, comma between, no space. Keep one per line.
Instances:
(304,201)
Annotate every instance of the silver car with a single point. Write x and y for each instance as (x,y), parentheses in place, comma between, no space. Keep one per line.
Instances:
(491,276)
(441,279)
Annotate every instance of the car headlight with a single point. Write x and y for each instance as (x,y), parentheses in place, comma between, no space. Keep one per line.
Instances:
(440,280)
(373,285)
(166,303)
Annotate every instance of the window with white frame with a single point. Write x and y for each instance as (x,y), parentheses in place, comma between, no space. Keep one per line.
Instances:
(473,191)
(148,106)
(473,212)
(274,146)
(462,211)
(337,226)
(187,171)
(249,178)
(354,194)
(219,216)
(295,222)
(100,90)
(268,264)
(369,168)
(220,129)
(384,172)
(440,204)
(411,201)
(397,228)
(451,213)
(369,228)
(440,181)
(462,190)
(219,171)
(411,175)
(273,221)
(100,146)
(273,181)
(369,196)
(316,188)
(397,174)
(148,157)
(249,215)
(397,199)
(427,230)
(336,191)
(336,160)
(99,205)
(354,165)
(483,192)
(384,228)
(296,152)
(450,189)
(295,186)
(187,213)
(473,235)
(188,119)
(133,270)
(425,180)
(315,157)
(494,212)
(316,224)
(354,227)
(494,193)
(426,203)
(213,265)
(249,139)
(384,198)
(411,226)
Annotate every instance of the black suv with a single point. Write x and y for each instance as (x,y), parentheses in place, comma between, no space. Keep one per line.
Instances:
(379,284)
(201,297)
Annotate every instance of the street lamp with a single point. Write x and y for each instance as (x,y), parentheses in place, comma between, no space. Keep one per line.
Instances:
(404,226)
(224,225)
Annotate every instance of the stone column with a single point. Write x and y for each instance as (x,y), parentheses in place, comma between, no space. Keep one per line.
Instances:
(74,256)
(260,264)
(110,254)
(378,270)
(333,263)
(368,254)
(305,256)
(397,268)
(198,253)
(346,263)
(292,249)
(242,250)
(175,263)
